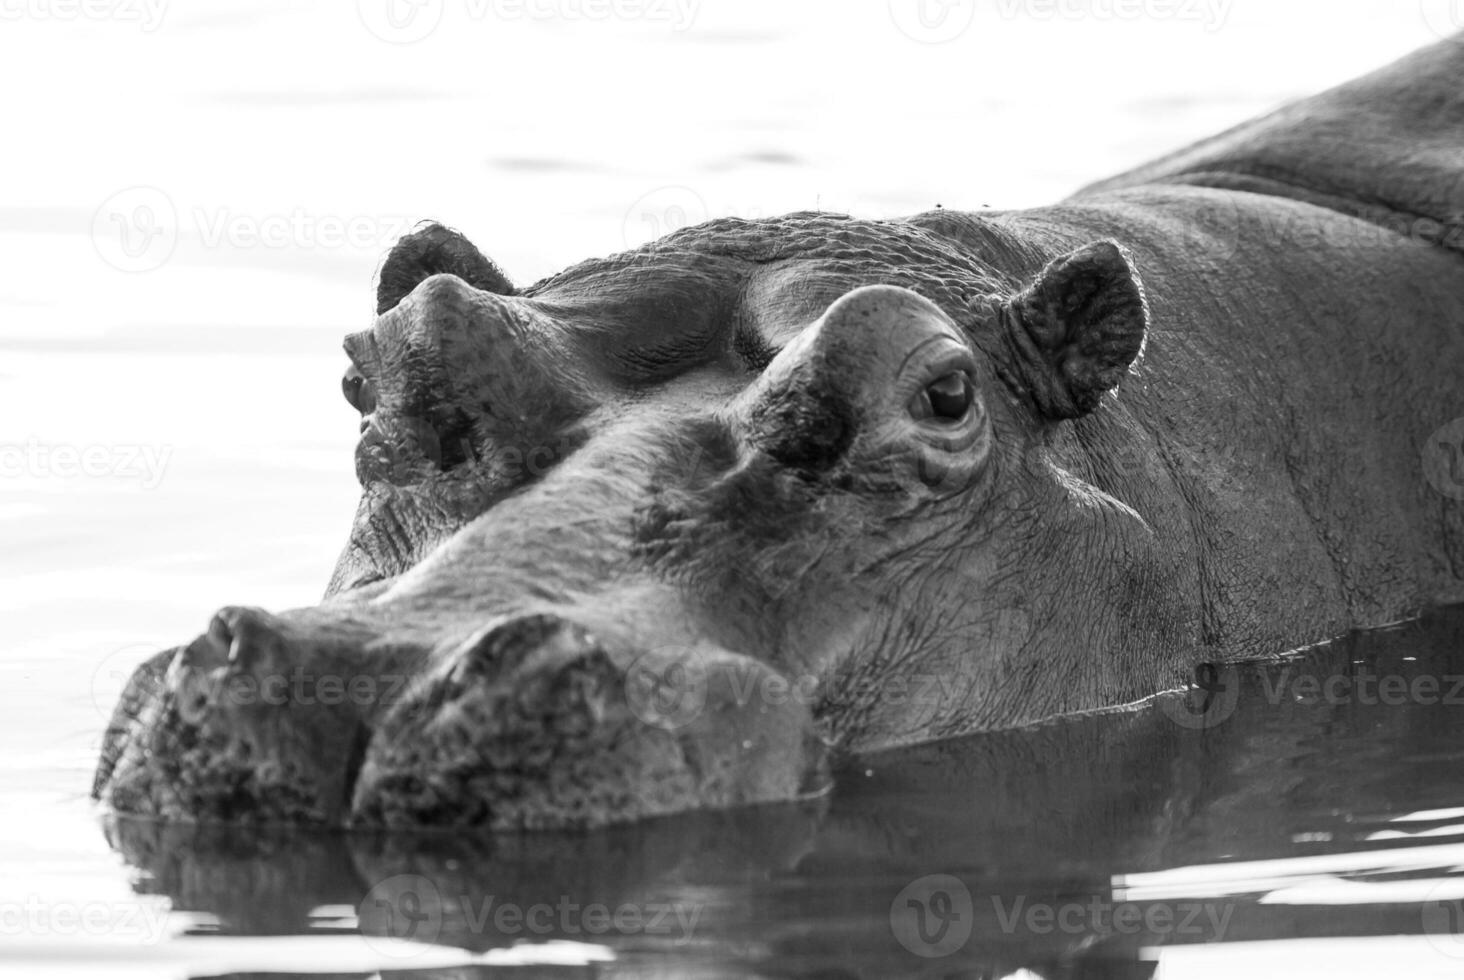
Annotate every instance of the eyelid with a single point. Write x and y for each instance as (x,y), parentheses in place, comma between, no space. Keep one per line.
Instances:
(927,367)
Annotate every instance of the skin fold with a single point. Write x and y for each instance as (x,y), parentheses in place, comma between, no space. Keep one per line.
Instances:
(681,527)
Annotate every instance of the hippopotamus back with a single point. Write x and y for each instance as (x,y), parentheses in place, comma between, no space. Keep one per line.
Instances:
(1387,147)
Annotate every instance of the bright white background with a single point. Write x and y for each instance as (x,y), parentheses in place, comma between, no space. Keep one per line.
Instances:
(195,196)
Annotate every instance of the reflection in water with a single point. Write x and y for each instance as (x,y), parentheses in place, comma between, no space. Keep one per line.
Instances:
(1315,796)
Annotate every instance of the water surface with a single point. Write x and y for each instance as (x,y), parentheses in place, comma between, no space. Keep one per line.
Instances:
(1299,815)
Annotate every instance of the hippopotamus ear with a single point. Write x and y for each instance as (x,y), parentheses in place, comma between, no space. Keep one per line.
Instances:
(428,251)
(1076,328)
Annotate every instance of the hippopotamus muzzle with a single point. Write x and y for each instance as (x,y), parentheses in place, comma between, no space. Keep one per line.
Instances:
(530,722)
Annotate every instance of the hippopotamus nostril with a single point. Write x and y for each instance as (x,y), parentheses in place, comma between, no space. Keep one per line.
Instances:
(503,647)
(191,691)
(398,449)
(195,672)
(251,640)
(238,640)
(210,650)
(452,436)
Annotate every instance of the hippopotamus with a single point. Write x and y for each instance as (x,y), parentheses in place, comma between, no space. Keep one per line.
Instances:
(695,525)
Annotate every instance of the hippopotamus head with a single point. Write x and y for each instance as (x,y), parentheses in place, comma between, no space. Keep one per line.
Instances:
(665,529)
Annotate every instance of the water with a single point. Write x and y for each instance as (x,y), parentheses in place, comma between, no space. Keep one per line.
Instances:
(189,220)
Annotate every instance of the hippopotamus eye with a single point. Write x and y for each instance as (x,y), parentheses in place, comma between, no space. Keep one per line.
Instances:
(947,398)
(358,391)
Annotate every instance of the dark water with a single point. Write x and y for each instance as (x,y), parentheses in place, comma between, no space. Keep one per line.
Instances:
(1298,814)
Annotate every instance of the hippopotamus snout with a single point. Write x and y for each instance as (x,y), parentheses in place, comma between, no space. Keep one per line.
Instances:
(251,728)
(532,720)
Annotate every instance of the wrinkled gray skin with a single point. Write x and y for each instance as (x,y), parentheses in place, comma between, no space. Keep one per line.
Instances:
(939,474)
